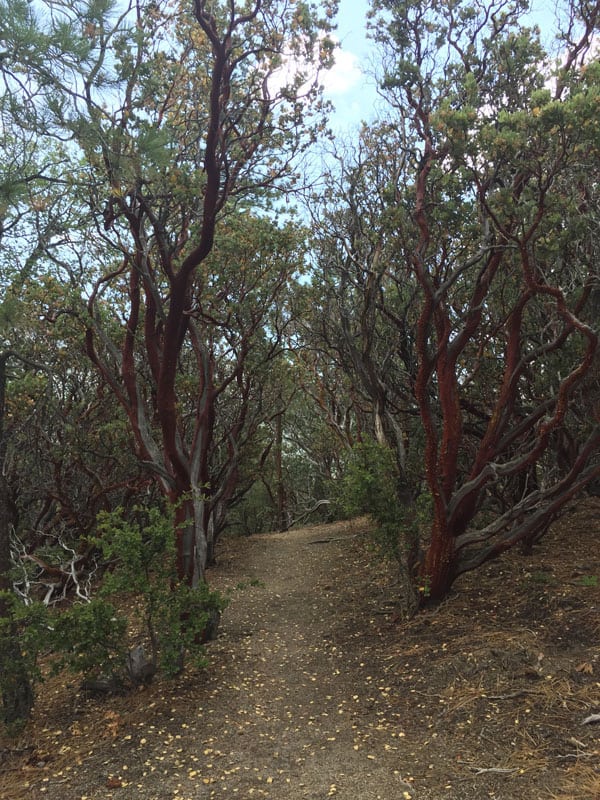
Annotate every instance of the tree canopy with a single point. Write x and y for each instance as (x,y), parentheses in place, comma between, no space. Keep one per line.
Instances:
(420,339)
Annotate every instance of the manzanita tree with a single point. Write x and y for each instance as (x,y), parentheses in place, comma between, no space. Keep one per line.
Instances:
(176,116)
(364,309)
(457,263)
(501,188)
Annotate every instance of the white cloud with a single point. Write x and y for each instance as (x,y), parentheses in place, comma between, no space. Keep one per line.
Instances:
(345,74)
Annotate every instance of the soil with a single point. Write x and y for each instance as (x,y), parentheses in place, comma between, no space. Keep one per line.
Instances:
(316,688)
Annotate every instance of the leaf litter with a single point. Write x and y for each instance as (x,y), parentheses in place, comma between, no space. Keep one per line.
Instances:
(315,688)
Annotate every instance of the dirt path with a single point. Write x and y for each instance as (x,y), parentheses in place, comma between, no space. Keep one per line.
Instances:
(313,717)
(315,690)
(292,704)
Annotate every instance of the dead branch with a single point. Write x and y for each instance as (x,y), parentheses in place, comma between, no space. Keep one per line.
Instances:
(591,719)
(310,511)
(498,770)
(334,539)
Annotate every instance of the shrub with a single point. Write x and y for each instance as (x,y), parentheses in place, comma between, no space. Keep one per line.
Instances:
(371,484)
(94,639)
(141,553)
(89,638)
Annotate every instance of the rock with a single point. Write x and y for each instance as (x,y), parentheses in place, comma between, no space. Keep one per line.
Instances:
(140,668)
(102,684)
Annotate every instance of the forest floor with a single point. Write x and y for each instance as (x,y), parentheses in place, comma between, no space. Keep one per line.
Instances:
(315,689)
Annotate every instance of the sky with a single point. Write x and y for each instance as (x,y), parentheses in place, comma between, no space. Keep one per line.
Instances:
(349,86)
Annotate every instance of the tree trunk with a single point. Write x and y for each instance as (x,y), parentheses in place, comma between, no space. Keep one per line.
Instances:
(192,545)
(17,694)
(281,509)
(436,572)
(211,540)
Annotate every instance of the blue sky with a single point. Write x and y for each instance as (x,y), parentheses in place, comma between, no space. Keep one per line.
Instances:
(349,86)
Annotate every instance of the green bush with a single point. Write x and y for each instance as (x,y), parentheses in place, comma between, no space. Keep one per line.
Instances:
(172,617)
(88,638)
(18,666)
(186,616)
(371,484)
(31,623)
(94,639)
(255,513)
